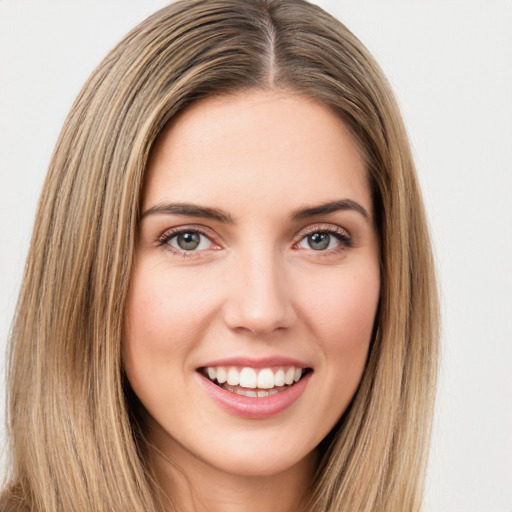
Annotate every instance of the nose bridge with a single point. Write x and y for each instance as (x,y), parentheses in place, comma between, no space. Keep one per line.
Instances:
(259,301)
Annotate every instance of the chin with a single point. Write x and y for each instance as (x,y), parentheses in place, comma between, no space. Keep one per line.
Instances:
(265,463)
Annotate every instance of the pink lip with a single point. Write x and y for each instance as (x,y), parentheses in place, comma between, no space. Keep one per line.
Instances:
(254,408)
(265,362)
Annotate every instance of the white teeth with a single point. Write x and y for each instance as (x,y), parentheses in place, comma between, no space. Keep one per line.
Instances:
(233,377)
(221,375)
(259,380)
(248,378)
(266,379)
(288,378)
(279,378)
(244,392)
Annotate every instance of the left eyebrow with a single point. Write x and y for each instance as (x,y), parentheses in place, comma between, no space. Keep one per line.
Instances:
(331,207)
(188,210)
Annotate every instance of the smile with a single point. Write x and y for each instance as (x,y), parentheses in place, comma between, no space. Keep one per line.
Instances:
(254,382)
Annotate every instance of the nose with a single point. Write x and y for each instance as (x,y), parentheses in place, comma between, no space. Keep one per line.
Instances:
(259,294)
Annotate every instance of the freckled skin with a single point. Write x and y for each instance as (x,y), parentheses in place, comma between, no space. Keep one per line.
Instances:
(254,287)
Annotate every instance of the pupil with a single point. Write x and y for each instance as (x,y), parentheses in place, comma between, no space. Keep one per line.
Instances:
(188,241)
(319,241)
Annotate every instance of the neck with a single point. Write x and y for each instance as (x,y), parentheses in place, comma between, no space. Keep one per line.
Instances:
(189,484)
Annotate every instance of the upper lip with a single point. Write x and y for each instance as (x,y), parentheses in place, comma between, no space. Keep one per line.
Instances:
(252,362)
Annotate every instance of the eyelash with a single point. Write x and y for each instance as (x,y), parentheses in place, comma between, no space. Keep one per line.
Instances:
(340,234)
(166,237)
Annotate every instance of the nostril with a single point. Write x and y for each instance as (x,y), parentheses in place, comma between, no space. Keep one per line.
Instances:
(246,318)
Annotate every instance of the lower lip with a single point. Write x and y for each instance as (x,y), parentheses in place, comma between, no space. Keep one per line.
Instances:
(255,408)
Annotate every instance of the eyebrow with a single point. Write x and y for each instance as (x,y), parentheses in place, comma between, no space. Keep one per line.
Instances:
(193,210)
(331,207)
(190,210)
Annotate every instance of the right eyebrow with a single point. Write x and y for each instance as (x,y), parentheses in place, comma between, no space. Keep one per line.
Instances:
(331,207)
(188,210)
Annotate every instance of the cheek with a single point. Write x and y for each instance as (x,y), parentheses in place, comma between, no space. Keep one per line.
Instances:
(341,309)
(339,312)
(160,329)
(163,309)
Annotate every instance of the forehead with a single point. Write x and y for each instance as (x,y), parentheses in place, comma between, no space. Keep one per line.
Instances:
(255,146)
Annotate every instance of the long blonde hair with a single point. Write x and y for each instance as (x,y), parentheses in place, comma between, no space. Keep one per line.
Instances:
(76,442)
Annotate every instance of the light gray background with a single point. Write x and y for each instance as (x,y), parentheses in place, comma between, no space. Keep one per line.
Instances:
(450,63)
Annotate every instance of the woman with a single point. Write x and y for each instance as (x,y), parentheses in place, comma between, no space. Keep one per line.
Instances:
(229,300)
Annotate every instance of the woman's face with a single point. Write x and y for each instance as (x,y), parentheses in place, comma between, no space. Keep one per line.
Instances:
(255,284)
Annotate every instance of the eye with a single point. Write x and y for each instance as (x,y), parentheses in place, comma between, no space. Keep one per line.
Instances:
(318,241)
(331,239)
(187,240)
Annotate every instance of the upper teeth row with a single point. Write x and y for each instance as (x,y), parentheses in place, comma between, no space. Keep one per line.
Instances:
(265,378)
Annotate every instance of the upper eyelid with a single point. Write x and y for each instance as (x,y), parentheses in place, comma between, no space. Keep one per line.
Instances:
(189,227)
(323,227)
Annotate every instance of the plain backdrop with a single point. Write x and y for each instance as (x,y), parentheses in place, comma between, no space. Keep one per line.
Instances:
(450,63)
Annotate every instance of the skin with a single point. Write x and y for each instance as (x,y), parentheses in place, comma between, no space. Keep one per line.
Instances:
(254,287)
